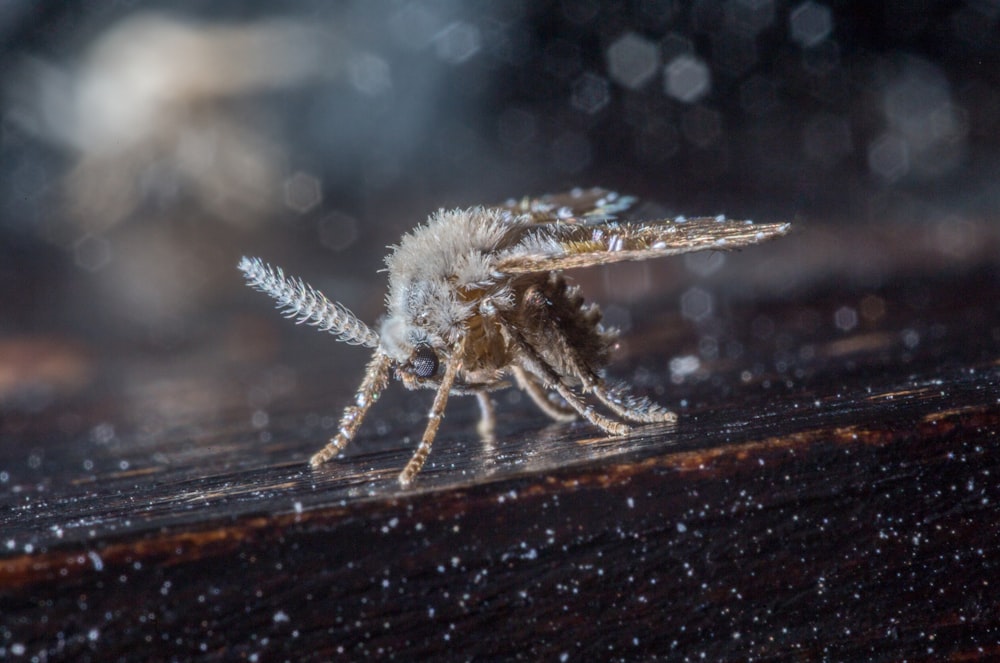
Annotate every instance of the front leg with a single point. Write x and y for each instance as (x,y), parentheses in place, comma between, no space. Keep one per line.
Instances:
(433,418)
(375,381)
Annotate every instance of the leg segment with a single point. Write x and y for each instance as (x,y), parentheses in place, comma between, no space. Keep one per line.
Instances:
(529,384)
(570,343)
(375,380)
(433,419)
(609,426)
(625,405)
(616,397)
(533,363)
(487,417)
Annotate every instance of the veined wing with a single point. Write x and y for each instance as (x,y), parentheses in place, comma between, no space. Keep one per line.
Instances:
(564,246)
(572,207)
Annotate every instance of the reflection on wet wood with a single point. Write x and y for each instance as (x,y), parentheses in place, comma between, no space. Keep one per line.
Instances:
(828,492)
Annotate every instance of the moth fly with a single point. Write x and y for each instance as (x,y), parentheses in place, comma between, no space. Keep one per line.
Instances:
(478,295)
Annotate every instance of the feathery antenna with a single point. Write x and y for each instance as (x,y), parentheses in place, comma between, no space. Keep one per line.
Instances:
(299,300)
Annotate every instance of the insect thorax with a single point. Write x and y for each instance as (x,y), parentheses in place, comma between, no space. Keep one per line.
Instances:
(444,287)
(438,313)
(442,275)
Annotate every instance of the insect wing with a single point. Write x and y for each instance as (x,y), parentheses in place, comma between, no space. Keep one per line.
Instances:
(564,246)
(572,207)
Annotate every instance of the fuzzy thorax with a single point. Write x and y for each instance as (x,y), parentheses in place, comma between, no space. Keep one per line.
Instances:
(434,271)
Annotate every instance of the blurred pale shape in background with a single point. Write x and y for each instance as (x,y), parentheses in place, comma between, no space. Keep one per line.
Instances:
(810,23)
(926,126)
(687,78)
(633,60)
(145,112)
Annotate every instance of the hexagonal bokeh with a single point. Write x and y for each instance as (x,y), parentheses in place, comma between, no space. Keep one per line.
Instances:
(303,192)
(632,60)
(92,252)
(696,304)
(337,231)
(810,23)
(590,93)
(889,157)
(846,318)
(458,42)
(687,78)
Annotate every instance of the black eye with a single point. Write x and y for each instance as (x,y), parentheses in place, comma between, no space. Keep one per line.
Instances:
(424,362)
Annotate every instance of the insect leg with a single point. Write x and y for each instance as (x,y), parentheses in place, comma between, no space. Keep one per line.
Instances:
(433,419)
(609,426)
(529,384)
(616,397)
(626,405)
(487,417)
(375,380)
(532,362)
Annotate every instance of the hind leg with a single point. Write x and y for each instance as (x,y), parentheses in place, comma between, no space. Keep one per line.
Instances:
(626,405)
(532,363)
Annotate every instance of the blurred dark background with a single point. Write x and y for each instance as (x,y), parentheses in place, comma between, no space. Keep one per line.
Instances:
(146,146)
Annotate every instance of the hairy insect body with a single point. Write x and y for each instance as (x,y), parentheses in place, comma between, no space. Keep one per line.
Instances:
(477,296)
(566,333)
(442,285)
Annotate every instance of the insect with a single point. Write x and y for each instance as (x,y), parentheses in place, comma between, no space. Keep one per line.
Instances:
(478,296)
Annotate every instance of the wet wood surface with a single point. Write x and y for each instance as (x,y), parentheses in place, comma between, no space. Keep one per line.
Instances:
(829,491)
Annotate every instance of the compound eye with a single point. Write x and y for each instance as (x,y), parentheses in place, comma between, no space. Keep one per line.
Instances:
(424,362)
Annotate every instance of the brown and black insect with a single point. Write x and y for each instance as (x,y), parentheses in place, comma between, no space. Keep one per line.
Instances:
(477,295)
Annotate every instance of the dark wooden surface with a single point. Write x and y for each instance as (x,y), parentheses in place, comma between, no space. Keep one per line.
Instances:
(829,492)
